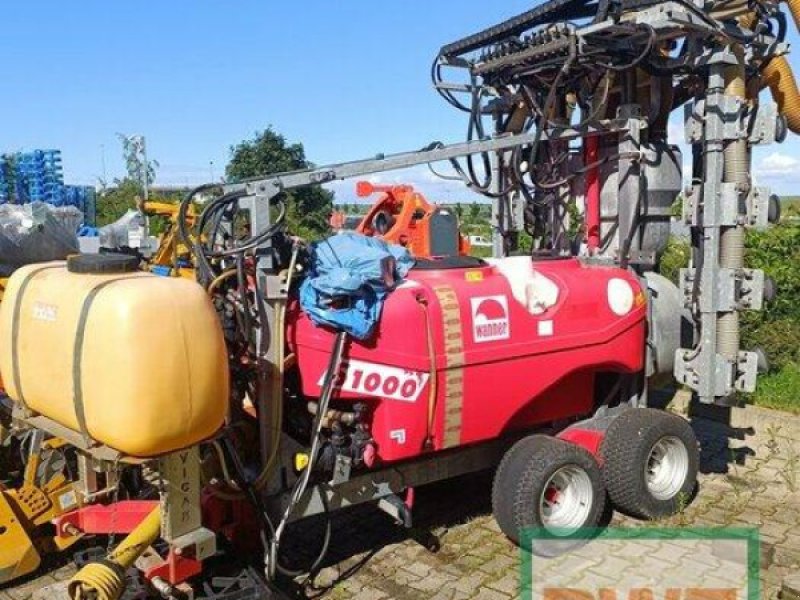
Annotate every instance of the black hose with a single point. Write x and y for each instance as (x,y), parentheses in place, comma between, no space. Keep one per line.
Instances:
(328,388)
(183,231)
(651,40)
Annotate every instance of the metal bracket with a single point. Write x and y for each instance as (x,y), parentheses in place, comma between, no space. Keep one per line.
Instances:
(731,111)
(88,485)
(689,365)
(751,290)
(642,257)
(342,469)
(180,495)
(202,542)
(691,206)
(757,202)
(723,301)
(694,117)
(729,209)
(727,293)
(764,124)
(747,367)
(741,289)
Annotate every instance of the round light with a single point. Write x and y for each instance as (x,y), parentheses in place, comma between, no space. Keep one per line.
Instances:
(620,296)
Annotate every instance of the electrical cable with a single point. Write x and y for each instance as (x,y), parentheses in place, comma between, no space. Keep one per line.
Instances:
(436,78)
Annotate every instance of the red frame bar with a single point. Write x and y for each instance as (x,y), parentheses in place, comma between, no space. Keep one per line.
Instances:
(176,569)
(592,195)
(106,519)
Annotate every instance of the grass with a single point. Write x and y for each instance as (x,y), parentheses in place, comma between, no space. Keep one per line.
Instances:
(780,390)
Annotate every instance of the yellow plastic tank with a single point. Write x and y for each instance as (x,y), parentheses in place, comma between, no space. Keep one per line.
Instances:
(129,359)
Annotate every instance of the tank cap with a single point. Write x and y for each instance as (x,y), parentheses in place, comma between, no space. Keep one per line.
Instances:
(102,264)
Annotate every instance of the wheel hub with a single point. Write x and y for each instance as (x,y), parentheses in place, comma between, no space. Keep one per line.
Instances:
(667,468)
(566,501)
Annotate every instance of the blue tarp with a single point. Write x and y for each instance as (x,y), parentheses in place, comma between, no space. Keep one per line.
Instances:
(348,281)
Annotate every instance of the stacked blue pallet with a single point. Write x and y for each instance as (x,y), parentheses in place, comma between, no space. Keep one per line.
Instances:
(83,198)
(39,177)
(5,188)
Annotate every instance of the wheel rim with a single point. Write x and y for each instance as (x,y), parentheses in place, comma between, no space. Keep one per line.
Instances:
(667,468)
(566,500)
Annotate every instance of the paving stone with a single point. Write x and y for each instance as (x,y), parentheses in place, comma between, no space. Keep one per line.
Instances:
(449,593)
(790,587)
(774,532)
(432,583)
(471,582)
(508,584)
(418,568)
(486,593)
(370,593)
(55,591)
(26,590)
(500,563)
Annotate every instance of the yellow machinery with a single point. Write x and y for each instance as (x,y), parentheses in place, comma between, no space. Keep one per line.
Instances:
(172,256)
(105,580)
(45,494)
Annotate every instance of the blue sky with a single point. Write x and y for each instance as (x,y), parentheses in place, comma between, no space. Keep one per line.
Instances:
(348,79)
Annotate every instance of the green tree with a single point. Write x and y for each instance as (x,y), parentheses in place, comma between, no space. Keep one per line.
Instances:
(474,212)
(116,200)
(268,152)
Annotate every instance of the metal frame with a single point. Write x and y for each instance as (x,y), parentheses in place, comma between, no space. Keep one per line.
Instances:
(269,187)
(374,486)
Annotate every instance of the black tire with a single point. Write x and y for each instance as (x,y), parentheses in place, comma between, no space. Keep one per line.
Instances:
(630,451)
(522,479)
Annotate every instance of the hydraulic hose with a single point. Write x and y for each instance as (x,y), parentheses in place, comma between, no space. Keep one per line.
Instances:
(106,580)
(778,75)
(731,252)
(736,155)
(328,388)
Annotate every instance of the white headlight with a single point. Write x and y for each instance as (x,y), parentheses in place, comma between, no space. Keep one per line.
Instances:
(620,296)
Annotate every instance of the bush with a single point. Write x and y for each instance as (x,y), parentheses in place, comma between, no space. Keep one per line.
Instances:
(776,329)
(675,258)
(779,390)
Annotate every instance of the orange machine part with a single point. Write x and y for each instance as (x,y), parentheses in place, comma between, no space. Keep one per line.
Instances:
(402,216)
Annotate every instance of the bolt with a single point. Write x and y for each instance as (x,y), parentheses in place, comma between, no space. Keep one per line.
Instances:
(162,586)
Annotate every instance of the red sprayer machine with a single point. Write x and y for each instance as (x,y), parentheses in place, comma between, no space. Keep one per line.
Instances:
(202,419)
